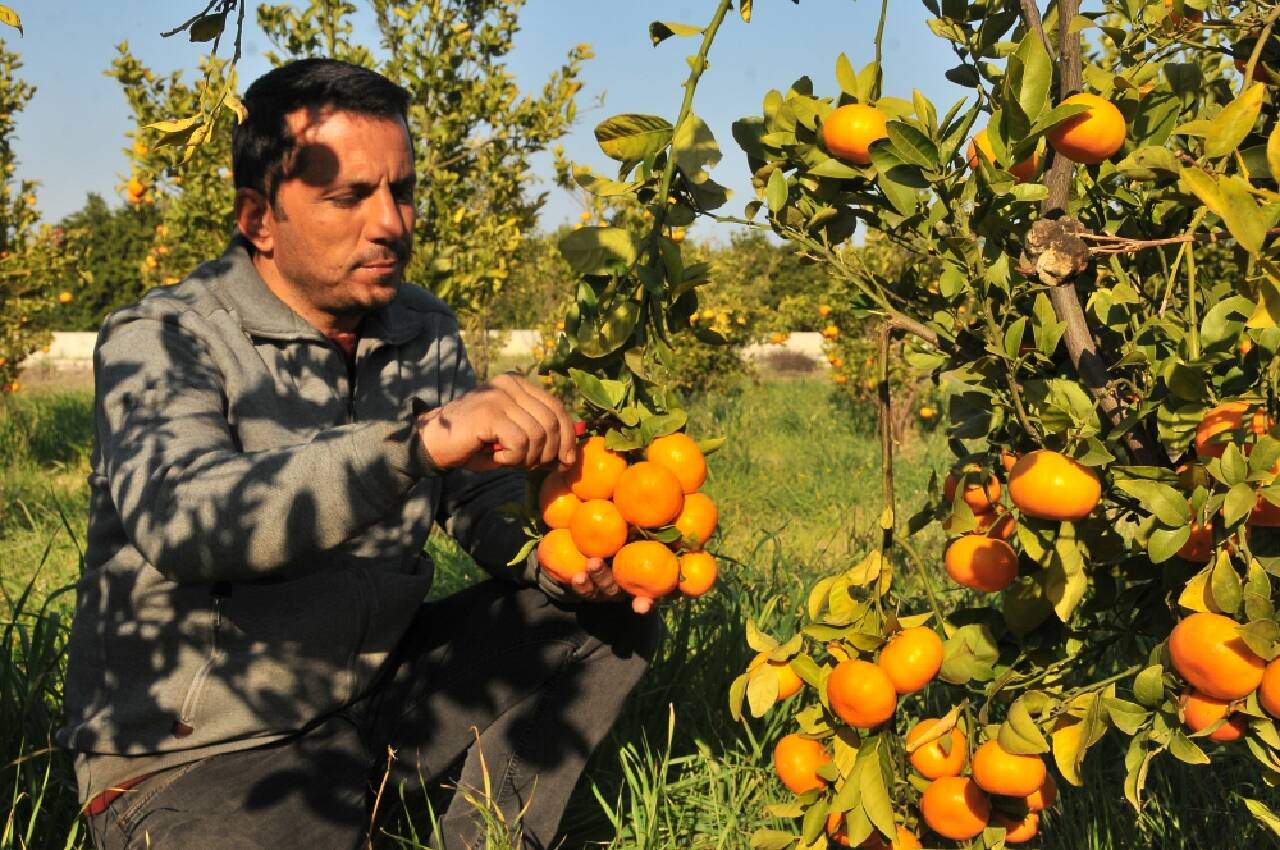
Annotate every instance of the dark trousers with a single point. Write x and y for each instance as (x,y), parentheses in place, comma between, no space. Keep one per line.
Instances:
(525,688)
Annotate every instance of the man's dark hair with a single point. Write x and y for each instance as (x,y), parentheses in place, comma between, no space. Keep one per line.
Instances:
(262,144)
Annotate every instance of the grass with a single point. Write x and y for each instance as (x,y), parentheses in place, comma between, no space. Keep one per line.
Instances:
(799,489)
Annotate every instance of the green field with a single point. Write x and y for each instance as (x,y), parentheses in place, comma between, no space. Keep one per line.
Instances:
(799,489)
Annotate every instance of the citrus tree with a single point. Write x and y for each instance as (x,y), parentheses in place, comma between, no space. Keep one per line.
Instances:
(1097,220)
(1090,258)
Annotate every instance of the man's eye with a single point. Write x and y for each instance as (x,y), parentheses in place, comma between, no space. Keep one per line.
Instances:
(345,200)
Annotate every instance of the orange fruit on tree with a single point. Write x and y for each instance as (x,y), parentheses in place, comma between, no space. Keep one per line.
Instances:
(682,457)
(598,528)
(1050,485)
(931,760)
(556,502)
(558,557)
(1221,425)
(860,693)
(797,759)
(595,472)
(1008,457)
(697,520)
(648,495)
(905,839)
(1199,546)
(697,573)
(789,682)
(1213,658)
(1269,688)
(1093,135)
(646,568)
(1201,712)
(1024,171)
(955,807)
(1044,796)
(911,658)
(981,497)
(982,563)
(999,771)
(850,129)
(1017,830)
(1003,525)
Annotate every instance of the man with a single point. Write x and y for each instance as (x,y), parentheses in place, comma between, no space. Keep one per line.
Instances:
(275,437)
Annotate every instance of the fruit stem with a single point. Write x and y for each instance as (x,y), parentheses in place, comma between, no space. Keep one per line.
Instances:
(927,581)
(696,66)
(1193,319)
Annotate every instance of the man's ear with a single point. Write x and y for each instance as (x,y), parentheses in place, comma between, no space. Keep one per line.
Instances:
(254,219)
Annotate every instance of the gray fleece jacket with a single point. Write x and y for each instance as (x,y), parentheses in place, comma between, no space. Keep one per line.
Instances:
(257,519)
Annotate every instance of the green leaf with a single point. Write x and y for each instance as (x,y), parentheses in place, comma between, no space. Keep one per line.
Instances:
(1162,501)
(912,145)
(1263,815)
(1065,581)
(604,394)
(1025,606)
(1239,503)
(846,77)
(1020,734)
(1273,152)
(873,783)
(1234,123)
(1225,585)
(208,27)
(695,148)
(10,18)
(969,654)
(1027,78)
(631,137)
(1205,187)
(1149,163)
(1126,716)
(772,839)
(758,640)
(660,31)
(1013,336)
(1186,750)
(737,691)
(833,168)
(598,250)
(1241,213)
(1262,636)
(1164,543)
(1148,686)
(776,192)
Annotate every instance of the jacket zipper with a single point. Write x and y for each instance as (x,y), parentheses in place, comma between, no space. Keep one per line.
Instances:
(186,713)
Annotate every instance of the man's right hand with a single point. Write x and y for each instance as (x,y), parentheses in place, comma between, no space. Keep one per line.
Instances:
(529,425)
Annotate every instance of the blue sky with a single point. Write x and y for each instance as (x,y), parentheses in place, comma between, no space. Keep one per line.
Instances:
(71,137)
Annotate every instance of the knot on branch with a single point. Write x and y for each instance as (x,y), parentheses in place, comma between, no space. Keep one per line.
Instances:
(1053,251)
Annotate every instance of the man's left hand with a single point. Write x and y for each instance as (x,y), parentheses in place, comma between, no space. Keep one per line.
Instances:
(596,584)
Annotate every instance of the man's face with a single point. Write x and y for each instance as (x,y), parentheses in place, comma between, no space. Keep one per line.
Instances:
(342,221)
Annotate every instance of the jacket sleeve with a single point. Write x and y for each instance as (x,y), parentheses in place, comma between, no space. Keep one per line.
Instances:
(485,511)
(195,505)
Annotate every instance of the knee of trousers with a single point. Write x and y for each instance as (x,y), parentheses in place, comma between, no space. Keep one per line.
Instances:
(620,639)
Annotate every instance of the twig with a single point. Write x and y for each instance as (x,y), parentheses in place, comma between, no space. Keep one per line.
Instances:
(886,440)
(1127,245)
(1257,49)
(1031,13)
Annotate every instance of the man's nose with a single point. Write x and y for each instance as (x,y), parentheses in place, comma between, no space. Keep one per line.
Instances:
(389,220)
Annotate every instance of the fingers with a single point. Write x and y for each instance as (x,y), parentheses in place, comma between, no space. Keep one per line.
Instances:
(641,605)
(548,431)
(596,582)
(544,402)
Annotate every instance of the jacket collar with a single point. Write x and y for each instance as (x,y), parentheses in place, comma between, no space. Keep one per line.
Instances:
(263,314)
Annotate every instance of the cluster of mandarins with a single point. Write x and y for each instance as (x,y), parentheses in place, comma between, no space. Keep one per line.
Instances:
(1089,137)
(1043,483)
(605,507)
(864,695)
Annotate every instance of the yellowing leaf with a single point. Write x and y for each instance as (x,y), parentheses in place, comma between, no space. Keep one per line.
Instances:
(1205,187)
(10,17)
(1196,596)
(1234,122)
(1267,311)
(1273,151)
(1066,746)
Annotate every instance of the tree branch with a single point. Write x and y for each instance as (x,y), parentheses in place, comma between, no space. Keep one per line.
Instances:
(1081,347)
